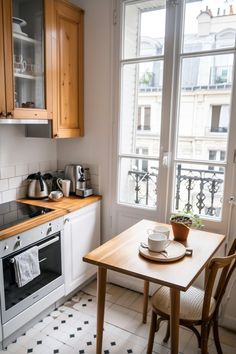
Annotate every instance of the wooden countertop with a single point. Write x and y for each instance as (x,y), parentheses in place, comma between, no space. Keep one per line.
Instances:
(65,206)
(68,204)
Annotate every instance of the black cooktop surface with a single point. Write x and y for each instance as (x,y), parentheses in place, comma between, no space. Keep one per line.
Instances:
(13,213)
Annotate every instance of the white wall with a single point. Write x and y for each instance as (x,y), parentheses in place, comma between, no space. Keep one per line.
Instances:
(20,156)
(94,148)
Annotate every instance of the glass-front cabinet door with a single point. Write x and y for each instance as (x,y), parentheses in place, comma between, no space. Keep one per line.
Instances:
(27,67)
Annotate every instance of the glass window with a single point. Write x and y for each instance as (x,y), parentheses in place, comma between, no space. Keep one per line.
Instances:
(138,182)
(142,37)
(199,189)
(203,108)
(184,115)
(209,25)
(137,117)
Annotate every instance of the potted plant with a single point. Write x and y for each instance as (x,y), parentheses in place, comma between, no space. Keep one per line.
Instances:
(181,223)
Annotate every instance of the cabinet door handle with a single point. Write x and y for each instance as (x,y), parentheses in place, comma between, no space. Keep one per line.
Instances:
(9,114)
(3,114)
(66,220)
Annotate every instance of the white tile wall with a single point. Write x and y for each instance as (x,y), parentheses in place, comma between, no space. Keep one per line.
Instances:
(13,178)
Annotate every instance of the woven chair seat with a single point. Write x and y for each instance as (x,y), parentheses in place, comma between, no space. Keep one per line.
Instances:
(191,303)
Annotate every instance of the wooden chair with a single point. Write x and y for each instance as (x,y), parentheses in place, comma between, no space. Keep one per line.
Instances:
(197,307)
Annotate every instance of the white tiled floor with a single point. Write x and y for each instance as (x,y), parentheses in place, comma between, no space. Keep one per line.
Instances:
(71,328)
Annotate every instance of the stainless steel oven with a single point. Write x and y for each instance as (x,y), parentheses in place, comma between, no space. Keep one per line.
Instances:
(48,238)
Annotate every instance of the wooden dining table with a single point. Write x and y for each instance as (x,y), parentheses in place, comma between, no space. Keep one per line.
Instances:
(121,254)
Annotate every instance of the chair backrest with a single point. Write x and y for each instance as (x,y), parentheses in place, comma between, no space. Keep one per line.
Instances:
(227,265)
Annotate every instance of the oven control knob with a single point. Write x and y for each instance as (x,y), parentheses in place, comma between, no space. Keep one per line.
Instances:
(18,244)
(6,247)
(49,230)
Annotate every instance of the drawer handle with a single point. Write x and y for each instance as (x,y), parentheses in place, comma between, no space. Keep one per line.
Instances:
(66,220)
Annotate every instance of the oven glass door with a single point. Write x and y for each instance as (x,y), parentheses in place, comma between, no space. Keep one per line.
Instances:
(50,270)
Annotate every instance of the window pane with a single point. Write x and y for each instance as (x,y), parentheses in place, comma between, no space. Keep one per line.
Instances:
(144,28)
(199,189)
(209,24)
(141,107)
(138,182)
(204,107)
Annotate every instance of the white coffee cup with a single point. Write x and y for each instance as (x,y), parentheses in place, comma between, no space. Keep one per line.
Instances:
(157,242)
(159,229)
(64,185)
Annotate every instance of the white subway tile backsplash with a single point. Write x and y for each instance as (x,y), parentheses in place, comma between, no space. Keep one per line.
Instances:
(44,166)
(7,172)
(21,170)
(13,178)
(53,165)
(33,167)
(3,185)
(25,181)
(15,182)
(9,195)
(21,192)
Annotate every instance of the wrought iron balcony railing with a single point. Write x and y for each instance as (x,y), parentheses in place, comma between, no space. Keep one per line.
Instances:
(197,190)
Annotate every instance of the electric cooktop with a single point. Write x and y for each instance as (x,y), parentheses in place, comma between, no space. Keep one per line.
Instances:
(13,213)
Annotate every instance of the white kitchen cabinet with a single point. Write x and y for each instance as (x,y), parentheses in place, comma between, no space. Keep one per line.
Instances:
(81,235)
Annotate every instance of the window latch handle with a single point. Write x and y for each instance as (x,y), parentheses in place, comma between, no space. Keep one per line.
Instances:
(166,159)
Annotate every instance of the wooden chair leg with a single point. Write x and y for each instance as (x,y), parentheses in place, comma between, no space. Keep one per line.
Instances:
(216,337)
(158,322)
(152,333)
(167,336)
(204,339)
(195,331)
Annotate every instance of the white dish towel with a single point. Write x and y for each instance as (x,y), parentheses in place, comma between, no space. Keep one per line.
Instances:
(26,266)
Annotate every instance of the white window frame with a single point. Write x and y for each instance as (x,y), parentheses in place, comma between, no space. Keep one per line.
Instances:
(170,110)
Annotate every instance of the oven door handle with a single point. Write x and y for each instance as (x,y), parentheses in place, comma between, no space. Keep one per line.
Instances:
(55,239)
(45,244)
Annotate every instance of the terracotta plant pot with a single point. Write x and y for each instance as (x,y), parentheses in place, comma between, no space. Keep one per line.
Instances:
(180,231)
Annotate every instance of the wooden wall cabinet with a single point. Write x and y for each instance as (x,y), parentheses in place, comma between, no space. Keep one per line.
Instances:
(25,59)
(68,64)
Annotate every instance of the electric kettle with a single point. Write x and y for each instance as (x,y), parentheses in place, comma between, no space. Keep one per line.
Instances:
(38,188)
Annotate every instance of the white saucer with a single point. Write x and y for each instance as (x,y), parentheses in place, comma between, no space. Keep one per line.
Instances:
(175,251)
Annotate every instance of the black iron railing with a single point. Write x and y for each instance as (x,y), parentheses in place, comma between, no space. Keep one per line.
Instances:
(145,186)
(200,191)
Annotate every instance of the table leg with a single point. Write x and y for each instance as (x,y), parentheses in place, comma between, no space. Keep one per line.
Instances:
(174,320)
(145,300)
(101,292)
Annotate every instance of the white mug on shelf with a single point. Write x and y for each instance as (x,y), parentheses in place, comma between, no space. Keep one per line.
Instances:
(64,185)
